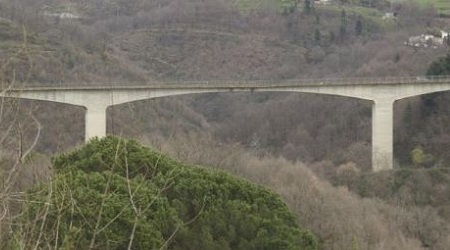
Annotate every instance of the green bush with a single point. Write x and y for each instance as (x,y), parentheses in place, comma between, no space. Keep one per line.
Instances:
(440,67)
(122,192)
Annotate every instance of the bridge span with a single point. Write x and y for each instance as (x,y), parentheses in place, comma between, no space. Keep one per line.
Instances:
(383,92)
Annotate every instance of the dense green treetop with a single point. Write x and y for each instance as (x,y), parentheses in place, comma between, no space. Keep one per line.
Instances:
(440,67)
(115,194)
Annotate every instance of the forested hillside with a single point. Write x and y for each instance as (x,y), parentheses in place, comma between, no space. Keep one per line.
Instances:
(144,41)
(301,145)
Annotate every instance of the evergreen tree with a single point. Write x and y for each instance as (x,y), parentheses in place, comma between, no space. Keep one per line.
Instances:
(343,25)
(332,37)
(358,26)
(317,36)
(117,194)
(440,66)
(308,6)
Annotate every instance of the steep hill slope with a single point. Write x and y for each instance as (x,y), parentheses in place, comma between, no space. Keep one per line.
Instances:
(142,41)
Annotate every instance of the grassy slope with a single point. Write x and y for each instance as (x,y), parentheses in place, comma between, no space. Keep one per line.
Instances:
(443,6)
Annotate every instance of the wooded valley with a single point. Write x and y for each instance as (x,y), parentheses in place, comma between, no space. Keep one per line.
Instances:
(312,150)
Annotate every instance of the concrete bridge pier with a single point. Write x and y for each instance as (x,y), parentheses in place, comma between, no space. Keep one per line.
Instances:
(95,121)
(382,134)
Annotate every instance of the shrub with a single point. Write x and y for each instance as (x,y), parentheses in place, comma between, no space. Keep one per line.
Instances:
(115,194)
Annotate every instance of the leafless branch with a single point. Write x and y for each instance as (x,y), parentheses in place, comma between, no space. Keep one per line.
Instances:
(36,138)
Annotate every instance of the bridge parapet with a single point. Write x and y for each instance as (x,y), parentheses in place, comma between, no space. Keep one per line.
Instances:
(390,80)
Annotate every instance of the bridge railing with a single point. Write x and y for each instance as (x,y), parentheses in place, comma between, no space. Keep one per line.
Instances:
(241,83)
(306,81)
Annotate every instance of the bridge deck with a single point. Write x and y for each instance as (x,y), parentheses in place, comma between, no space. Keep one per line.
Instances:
(233,83)
(382,91)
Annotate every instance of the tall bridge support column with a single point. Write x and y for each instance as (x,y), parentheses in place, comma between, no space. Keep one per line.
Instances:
(95,121)
(382,134)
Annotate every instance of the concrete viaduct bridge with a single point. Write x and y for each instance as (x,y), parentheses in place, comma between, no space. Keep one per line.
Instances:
(383,92)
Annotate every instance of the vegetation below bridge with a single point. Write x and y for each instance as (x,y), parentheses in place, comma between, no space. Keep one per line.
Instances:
(116,194)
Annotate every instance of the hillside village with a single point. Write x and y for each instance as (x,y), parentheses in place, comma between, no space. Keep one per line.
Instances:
(429,40)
